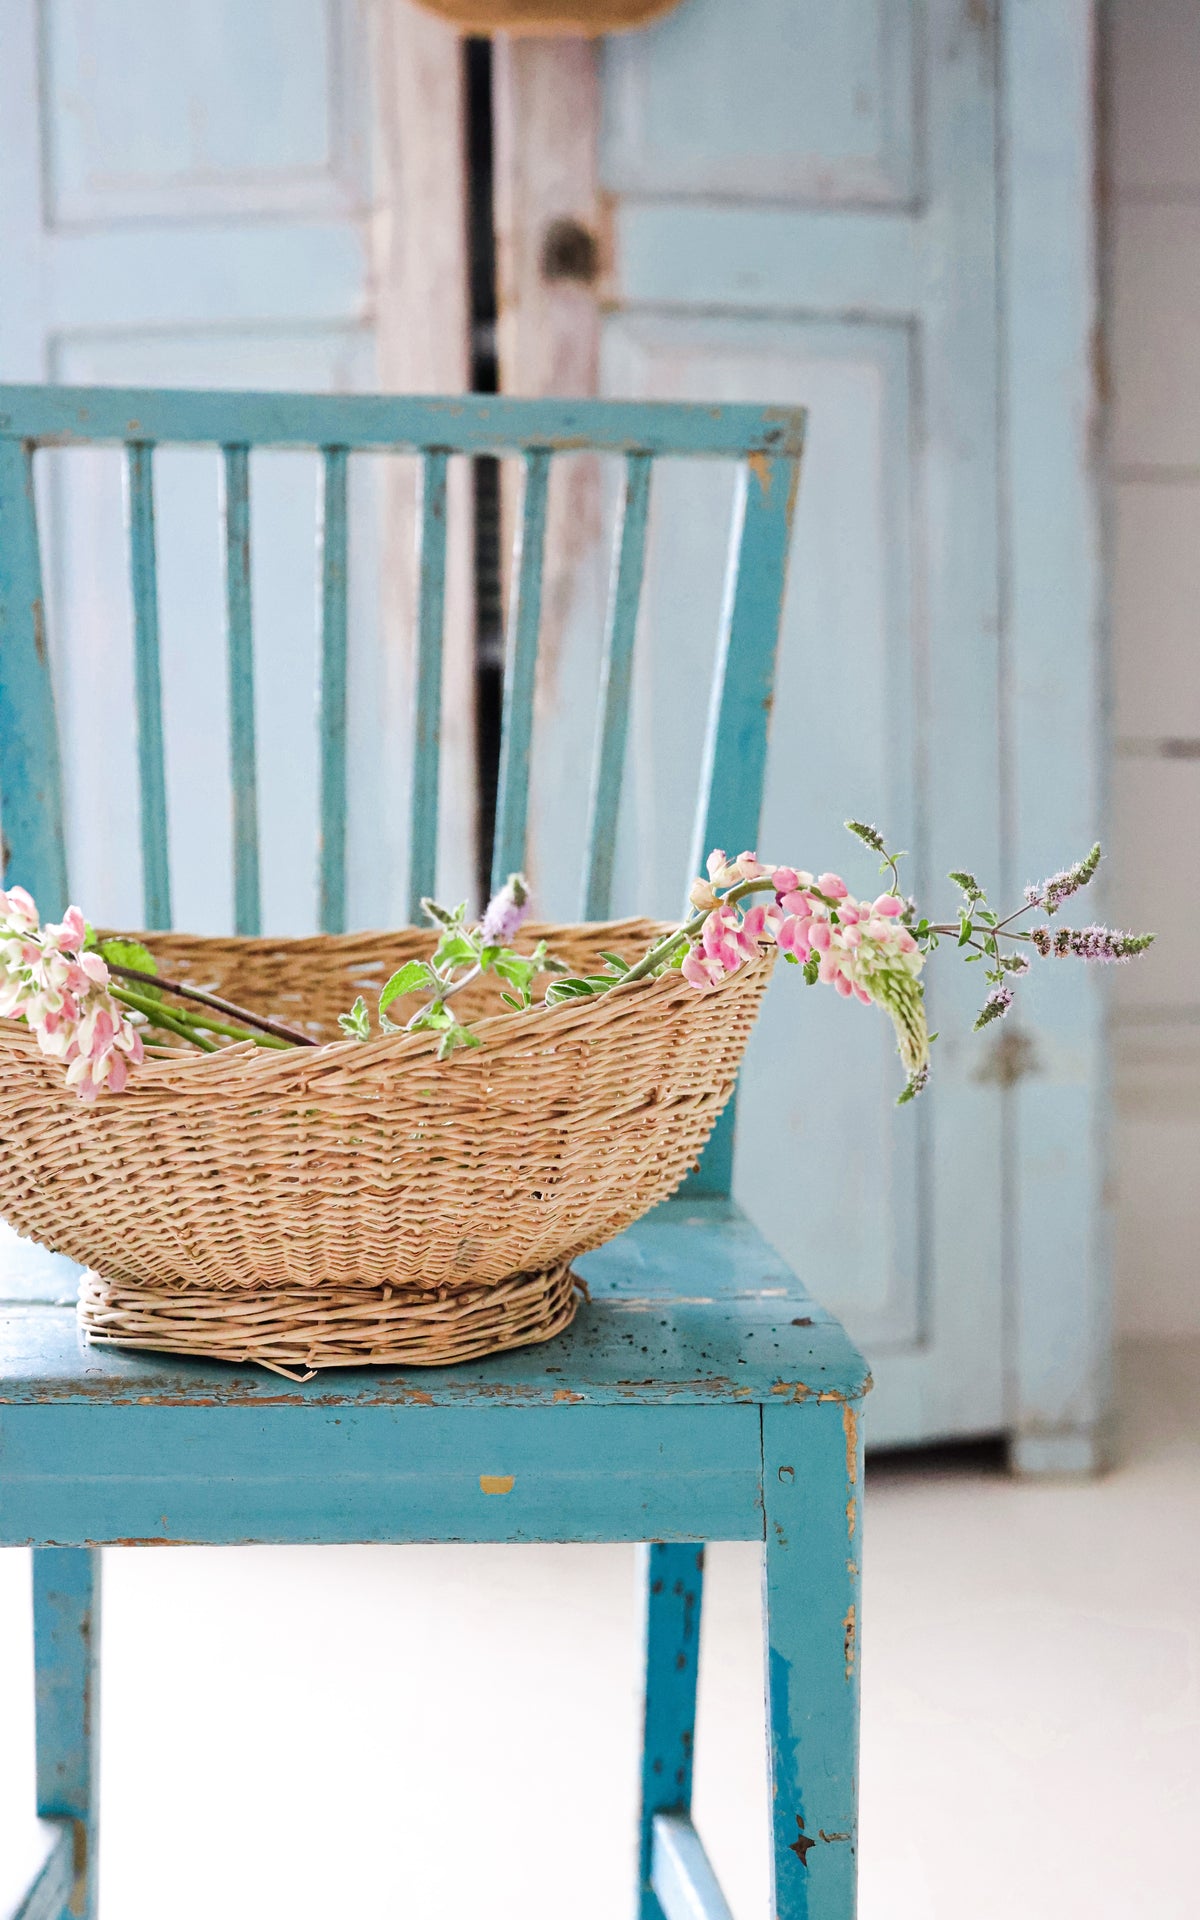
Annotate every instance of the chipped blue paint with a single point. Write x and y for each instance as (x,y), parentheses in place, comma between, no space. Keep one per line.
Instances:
(616,678)
(332,866)
(812,1493)
(152,778)
(31,808)
(66,1639)
(520,672)
(672,1588)
(243,752)
(735,748)
(61,416)
(431,615)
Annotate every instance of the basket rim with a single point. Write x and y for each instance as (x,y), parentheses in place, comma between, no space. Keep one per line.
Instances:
(180,1069)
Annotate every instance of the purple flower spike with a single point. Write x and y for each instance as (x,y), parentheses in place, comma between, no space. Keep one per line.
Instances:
(505,912)
(1060,886)
(1089,943)
(994,1007)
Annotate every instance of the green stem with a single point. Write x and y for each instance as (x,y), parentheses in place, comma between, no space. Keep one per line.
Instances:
(690,928)
(179,1021)
(162,1018)
(291,1036)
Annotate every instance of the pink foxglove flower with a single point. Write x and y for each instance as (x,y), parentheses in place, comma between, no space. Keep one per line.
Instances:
(862,949)
(49,980)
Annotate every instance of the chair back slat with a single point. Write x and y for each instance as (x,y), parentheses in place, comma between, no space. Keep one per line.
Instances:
(427,724)
(520,672)
(243,750)
(735,750)
(766,442)
(31,805)
(147,682)
(616,680)
(332,865)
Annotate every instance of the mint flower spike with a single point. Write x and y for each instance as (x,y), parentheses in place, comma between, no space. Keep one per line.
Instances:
(968,884)
(870,836)
(1088,943)
(994,1007)
(505,912)
(1060,886)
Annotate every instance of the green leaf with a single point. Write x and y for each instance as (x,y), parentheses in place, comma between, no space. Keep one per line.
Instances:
(131,953)
(456,1036)
(968,884)
(572,988)
(793,959)
(356,1025)
(966,929)
(812,967)
(442,915)
(455,949)
(413,977)
(615,961)
(436,1017)
(518,1006)
(514,968)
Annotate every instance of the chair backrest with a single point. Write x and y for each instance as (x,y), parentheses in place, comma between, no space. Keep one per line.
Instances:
(766,443)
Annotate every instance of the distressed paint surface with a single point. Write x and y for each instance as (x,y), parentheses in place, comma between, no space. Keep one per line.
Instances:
(31,809)
(243,738)
(66,1640)
(520,672)
(431,615)
(62,416)
(672,1589)
(334,529)
(616,675)
(690,1306)
(152,778)
(735,748)
(812,1492)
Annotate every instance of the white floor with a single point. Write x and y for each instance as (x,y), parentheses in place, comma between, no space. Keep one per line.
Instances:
(443,1732)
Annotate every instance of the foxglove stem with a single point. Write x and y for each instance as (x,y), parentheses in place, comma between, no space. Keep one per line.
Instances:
(291,1035)
(162,1018)
(191,1026)
(690,928)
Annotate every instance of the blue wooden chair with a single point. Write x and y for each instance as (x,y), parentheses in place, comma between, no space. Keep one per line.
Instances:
(700,1395)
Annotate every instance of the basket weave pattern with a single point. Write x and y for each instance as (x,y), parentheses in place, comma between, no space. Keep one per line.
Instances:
(364,1201)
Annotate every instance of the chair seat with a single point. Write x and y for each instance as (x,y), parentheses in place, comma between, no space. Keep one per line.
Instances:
(689,1305)
(642,1422)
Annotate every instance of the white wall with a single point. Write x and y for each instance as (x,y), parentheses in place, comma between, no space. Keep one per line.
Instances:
(1154,163)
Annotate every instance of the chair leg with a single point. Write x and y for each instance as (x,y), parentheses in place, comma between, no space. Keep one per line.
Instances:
(812,1486)
(66,1644)
(672,1583)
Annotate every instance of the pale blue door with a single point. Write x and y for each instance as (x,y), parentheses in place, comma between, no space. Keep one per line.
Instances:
(187,201)
(803,209)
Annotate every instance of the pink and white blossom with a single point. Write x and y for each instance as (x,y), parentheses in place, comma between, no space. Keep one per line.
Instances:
(61,991)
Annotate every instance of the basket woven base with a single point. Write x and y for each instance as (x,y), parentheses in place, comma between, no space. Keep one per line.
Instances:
(291,1329)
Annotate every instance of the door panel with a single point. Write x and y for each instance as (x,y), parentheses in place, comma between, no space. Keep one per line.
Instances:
(801,207)
(795,98)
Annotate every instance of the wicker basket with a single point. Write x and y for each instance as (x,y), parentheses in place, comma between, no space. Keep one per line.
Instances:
(361,1201)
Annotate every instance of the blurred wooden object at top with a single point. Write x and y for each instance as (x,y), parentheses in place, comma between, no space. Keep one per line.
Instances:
(548,16)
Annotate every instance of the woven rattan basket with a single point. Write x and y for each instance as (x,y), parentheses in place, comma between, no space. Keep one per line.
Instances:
(360,1201)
